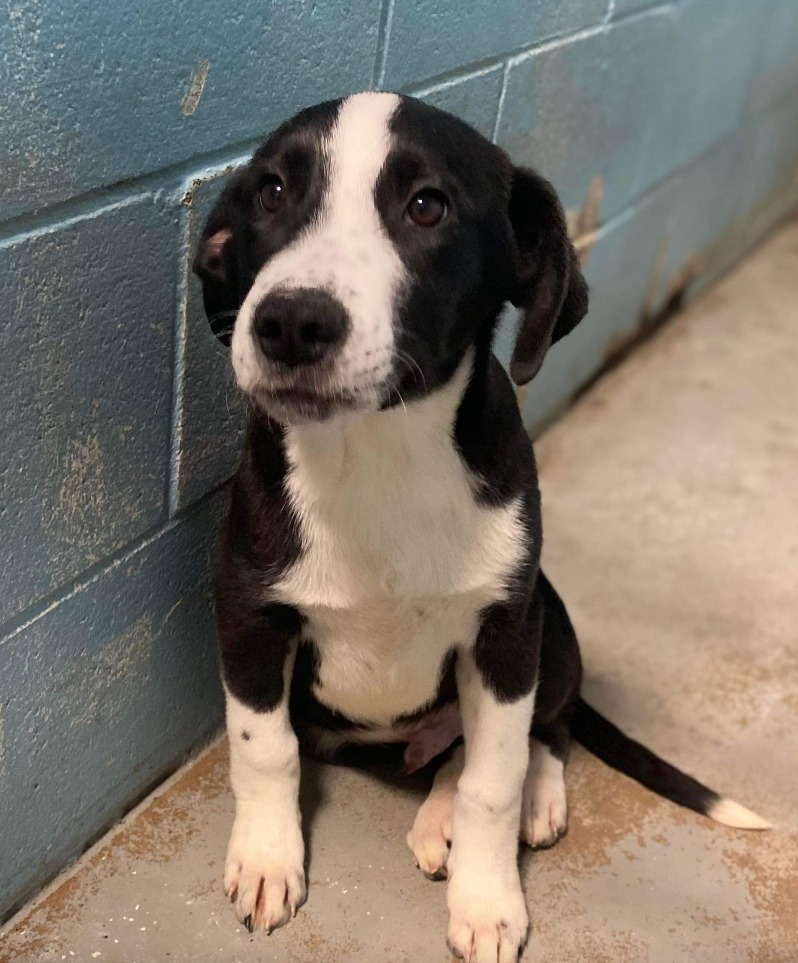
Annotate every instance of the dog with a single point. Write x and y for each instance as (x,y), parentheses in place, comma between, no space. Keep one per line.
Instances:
(379,573)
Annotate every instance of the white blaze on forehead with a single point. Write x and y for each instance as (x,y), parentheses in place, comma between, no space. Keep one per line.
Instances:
(345,251)
(359,144)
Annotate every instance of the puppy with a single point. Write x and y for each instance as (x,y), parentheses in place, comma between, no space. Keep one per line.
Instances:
(379,576)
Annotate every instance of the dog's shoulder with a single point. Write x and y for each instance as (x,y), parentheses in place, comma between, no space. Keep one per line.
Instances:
(261,538)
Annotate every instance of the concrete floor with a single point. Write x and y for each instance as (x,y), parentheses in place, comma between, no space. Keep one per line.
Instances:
(671,518)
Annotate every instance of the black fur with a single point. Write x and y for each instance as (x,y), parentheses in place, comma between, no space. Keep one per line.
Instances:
(616,749)
(549,285)
(463,270)
(258,542)
(492,440)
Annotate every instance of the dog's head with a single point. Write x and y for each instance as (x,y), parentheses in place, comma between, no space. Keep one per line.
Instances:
(367,245)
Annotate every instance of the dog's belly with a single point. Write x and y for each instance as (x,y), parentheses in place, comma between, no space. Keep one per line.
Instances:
(384,658)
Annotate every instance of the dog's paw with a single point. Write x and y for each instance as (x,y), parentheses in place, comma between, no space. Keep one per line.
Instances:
(431,835)
(544,811)
(545,820)
(264,875)
(487,923)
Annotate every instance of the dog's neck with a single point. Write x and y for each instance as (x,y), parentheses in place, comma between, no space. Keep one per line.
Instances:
(384,445)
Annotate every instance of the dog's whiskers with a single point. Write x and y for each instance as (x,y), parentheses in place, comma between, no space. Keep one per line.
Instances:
(412,365)
(394,388)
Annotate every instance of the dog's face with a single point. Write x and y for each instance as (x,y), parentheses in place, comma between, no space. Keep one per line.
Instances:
(367,244)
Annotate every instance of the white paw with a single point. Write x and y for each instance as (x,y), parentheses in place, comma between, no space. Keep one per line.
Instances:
(264,875)
(431,835)
(488,921)
(544,811)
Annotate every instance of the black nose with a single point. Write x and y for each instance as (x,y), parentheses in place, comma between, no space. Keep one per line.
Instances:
(300,326)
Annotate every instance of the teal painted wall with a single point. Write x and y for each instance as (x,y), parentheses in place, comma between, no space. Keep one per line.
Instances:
(670,130)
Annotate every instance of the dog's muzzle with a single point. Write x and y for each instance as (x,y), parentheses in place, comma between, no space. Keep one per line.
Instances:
(300,333)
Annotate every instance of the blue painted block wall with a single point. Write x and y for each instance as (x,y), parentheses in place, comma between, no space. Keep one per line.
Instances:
(670,129)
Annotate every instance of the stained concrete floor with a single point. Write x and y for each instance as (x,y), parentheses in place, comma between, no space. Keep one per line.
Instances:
(671,518)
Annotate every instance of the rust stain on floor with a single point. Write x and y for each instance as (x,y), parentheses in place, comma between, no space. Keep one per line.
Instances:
(770,875)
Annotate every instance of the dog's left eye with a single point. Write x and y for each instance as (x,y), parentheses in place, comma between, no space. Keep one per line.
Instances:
(271,194)
(427,208)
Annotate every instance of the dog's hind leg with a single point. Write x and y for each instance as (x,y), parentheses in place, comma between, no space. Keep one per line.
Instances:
(544,810)
(431,835)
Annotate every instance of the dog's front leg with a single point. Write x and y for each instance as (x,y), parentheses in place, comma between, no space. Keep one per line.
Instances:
(488,919)
(264,871)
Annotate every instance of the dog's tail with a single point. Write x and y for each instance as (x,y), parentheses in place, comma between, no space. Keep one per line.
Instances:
(613,747)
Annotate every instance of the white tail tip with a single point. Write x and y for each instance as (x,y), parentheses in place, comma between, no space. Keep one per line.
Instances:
(730,813)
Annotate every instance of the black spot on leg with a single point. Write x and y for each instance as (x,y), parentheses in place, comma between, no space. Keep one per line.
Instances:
(245,735)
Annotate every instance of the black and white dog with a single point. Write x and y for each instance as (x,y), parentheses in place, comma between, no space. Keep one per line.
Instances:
(379,578)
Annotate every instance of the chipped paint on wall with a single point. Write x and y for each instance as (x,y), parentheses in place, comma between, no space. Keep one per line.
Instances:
(192,96)
(25,20)
(83,494)
(2,748)
(583,223)
(86,691)
(651,298)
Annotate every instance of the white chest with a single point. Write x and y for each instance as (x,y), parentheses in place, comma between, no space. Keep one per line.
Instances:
(399,558)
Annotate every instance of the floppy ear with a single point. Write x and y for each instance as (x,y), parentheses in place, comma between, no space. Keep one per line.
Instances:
(216,262)
(549,287)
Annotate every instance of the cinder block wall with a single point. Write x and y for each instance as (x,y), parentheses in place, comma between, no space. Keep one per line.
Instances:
(670,130)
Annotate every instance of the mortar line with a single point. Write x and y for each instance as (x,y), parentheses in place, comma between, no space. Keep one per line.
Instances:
(383,38)
(500,105)
(111,203)
(179,338)
(67,590)
(88,203)
(381,61)
(453,81)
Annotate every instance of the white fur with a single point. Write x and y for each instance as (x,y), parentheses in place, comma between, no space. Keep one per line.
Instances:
(544,813)
(266,847)
(488,919)
(346,252)
(731,813)
(399,559)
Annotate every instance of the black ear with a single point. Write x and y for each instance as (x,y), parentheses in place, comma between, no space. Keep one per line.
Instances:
(216,260)
(549,287)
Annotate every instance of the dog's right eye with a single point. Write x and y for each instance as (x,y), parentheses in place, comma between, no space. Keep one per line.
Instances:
(427,208)
(271,194)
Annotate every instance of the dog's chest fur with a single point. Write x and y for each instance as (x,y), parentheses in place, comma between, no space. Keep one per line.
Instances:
(399,558)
